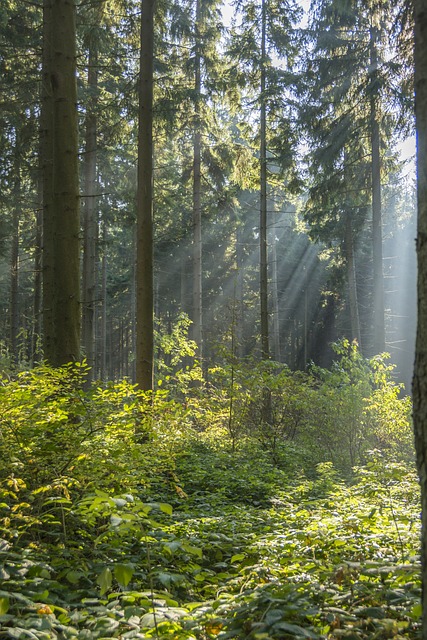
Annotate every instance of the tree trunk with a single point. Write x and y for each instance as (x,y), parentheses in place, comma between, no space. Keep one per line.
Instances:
(265,353)
(240,305)
(90,216)
(351,279)
(14,261)
(275,296)
(144,277)
(377,241)
(61,226)
(420,377)
(103,328)
(197,328)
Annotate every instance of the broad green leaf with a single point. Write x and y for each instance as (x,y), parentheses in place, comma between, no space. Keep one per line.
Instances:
(73,576)
(4,606)
(123,574)
(237,557)
(105,580)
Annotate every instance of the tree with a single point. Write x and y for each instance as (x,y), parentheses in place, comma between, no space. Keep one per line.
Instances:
(354,107)
(144,269)
(61,226)
(90,217)
(420,375)
(265,36)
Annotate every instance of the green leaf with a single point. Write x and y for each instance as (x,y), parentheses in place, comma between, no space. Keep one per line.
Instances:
(123,574)
(73,576)
(416,611)
(105,580)
(4,606)
(294,630)
(237,557)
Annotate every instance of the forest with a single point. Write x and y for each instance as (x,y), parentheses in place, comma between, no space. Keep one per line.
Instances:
(208,327)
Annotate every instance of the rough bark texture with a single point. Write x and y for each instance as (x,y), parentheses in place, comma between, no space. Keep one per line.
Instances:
(90,217)
(265,352)
(377,240)
(197,315)
(420,377)
(144,270)
(61,270)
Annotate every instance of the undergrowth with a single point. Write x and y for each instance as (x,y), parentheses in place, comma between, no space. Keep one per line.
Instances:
(124,515)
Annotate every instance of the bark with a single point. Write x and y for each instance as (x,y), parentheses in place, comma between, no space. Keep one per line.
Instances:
(61,267)
(265,354)
(14,263)
(90,217)
(240,264)
(144,277)
(103,328)
(37,312)
(377,241)
(420,374)
(197,328)
(275,297)
(351,279)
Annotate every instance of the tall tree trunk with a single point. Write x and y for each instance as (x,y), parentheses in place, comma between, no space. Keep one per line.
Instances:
(103,328)
(377,241)
(420,377)
(265,352)
(90,216)
(197,328)
(144,278)
(61,224)
(37,311)
(14,260)
(240,305)
(275,295)
(351,279)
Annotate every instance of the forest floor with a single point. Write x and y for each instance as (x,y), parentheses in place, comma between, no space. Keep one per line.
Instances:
(225,548)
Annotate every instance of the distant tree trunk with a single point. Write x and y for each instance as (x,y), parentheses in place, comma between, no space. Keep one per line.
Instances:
(37,312)
(14,261)
(275,297)
(265,352)
(377,240)
(38,263)
(240,265)
(197,328)
(420,376)
(144,277)
(103,328)
(61,230)
(351,279)
(90,216)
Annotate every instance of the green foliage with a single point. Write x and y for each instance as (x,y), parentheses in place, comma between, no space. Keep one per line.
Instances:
(128,516)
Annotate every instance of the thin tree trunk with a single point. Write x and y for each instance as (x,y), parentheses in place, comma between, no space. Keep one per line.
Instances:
(103,330)
(265,352)
(420,377)
(275,296)
(90,217)
(377,241)
(351,279)
(240,264)
(197,328)
(144,296)
(14,262)
(37,312)
(46,150)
